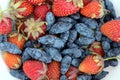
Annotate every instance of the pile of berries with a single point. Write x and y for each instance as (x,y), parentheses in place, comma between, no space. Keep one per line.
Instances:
(60,39)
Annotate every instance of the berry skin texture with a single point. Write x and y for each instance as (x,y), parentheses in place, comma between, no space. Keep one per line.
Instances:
(34,69)
(13,61)
(9,47)
(96,48)
(92,64)
(53,72)
(111,29)
(86,1)
(5,25)
(41,11)
(65,7)
(52,41)
(65,64)
(72,73)
(18,74)
(93,10)
(60,27)
(17,39)
(36,2)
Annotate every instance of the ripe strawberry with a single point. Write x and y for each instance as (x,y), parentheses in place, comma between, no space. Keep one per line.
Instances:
(5,25)
(34,69)
(13,61)
(17,39)
(93,10)
(41,11)
(72,73)
(21,9)
(53,72)
(86,2)
(92,64)
(96,48)
(66,7)
(112,30)
(33,29)
(35,2)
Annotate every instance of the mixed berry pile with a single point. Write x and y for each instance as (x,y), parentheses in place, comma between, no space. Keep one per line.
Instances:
(60,39)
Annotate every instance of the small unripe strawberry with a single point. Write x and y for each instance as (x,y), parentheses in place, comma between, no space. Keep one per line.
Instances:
(13,61)
(92,64)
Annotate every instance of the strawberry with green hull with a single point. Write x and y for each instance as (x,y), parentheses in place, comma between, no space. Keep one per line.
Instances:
(33,29)
(94,9)
(92,64)
(13,61)
(40,11)
(66,7)
(36,2)
(20,9)
(17,39)
(96,48)
(35,70)
(53,72)
(111,29)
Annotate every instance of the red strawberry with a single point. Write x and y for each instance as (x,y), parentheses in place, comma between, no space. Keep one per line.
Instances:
(5,25)
(34,69)
(21,9)
(41,11)
(86,1)
(112,30)
(13,61)
(17,39)
(93,10)
(66,7)
(92,64)
(72,73)
(53,72)
(96,47)
(35,2)
(33,29)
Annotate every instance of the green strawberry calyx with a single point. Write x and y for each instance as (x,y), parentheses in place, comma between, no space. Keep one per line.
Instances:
(78,3)
(33,27)
(100,62)
(15,9)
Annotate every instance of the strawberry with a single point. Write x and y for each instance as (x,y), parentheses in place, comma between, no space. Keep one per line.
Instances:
(17,39)
(53,72)
(92,64)
(85,2)
(96,47)
(34,69)
(66,7)
(112,30)
(41,11)
(33,29)
(21,9)
(93,10)
(13,61)
(5,25)
(35,2)
(72,73)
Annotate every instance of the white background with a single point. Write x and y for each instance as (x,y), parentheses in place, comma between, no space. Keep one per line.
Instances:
(114,72)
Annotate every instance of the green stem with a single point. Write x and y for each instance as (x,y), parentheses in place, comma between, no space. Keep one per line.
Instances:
(111,58)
